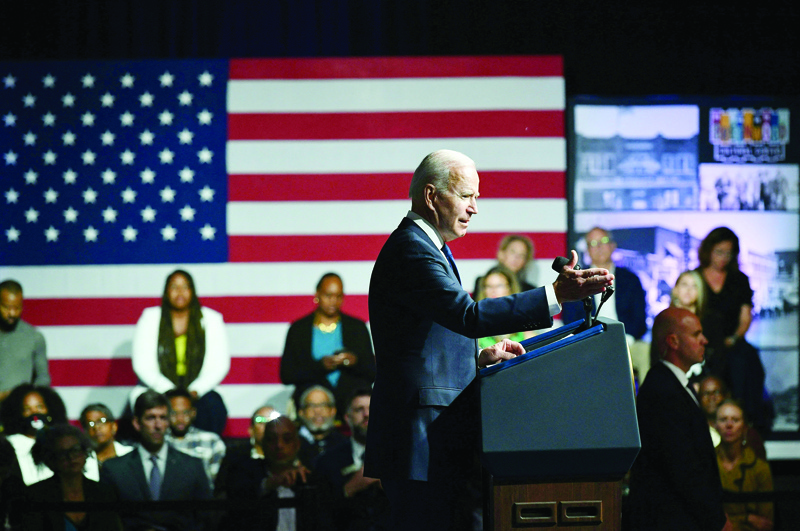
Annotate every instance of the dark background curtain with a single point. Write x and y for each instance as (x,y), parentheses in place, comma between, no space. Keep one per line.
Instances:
(610,47)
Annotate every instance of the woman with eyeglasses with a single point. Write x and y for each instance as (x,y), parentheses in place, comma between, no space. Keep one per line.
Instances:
(63,449)
(726,317)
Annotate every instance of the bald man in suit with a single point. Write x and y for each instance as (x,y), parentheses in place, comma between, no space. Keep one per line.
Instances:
(675,480)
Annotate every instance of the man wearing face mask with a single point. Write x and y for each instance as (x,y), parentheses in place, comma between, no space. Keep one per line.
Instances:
(23,353)
(26,410)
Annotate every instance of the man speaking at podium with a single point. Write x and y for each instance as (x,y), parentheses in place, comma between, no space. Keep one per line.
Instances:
(423,437)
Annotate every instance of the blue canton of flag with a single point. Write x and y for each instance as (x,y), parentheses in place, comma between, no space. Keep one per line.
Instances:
(113,162)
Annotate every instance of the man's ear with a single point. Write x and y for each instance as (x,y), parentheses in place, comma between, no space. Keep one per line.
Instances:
(429,193)
(136,425)
(673,341)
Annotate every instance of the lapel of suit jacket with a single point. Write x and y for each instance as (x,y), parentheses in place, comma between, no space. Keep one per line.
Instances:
(436,252)
(137,473)
(172,471)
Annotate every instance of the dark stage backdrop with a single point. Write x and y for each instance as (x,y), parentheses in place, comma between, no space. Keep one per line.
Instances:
(611,48)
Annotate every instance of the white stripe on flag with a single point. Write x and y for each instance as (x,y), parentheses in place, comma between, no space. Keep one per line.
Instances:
(395,95)
(391,156)
(382,217)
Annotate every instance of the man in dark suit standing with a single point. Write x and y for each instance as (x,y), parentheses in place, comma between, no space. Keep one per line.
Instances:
(675,481)
(156,471)
(422,440)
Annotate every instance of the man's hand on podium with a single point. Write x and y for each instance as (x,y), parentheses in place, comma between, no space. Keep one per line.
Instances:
(505,350)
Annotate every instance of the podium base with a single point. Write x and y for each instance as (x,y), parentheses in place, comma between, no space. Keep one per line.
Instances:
(577,506)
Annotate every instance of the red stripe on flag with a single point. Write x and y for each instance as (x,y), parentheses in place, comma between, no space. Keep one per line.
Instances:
(341,126)
(385,186)
(91,372)
(397,67)
(119,371)
(335,248)
(126,311)
(236,428)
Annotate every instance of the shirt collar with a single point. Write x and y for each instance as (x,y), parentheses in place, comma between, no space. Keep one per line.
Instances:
(161,454)
(428,228)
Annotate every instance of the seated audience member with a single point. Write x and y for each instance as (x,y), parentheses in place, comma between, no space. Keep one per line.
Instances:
(711,394)
(285,472)
(264,479)
(23,351)
(182,344)
(328,347)
(742,471)
(64,449)
(515,253)
(205,445)
(11,485)
(352,501)
(26,410)
(156,471)
(317,415)
(688,292)
(628,305)
(243,471)
(244,460)
(100,425)
(498,282)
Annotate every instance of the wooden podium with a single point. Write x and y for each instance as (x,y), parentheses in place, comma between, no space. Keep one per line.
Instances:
(559,431)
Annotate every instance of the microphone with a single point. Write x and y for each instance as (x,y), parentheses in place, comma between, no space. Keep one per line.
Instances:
(559,263)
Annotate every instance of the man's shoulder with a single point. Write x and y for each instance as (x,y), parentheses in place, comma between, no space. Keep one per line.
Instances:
(116,465)
(25,328)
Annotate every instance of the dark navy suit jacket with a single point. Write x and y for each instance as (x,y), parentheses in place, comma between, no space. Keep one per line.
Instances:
(184,479)
(424,329)
(675,480)
(629,298)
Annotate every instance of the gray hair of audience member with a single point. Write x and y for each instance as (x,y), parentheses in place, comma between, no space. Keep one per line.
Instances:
(44,450)
(102,408)
(313,388)
(436,169)
(11,286)
(148,400)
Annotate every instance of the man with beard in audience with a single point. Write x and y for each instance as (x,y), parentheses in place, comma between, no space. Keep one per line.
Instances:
(318,416)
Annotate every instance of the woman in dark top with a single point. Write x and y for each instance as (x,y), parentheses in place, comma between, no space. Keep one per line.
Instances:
(328,348)
(64,449)
(726,317)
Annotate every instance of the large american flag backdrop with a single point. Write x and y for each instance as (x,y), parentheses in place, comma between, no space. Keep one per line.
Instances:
(257,176)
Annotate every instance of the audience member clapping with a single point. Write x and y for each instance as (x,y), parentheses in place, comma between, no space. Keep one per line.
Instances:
(64,449)
(182,344)
(26,410)
(742,471)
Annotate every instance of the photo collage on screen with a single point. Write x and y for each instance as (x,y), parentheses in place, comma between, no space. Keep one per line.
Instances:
(661,176)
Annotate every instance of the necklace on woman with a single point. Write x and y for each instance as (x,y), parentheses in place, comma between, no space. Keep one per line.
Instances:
(327,328)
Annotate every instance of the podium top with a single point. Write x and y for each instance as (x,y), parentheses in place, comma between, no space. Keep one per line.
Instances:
(550,341)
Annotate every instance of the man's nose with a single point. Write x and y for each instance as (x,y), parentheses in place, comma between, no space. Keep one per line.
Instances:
(473,206)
